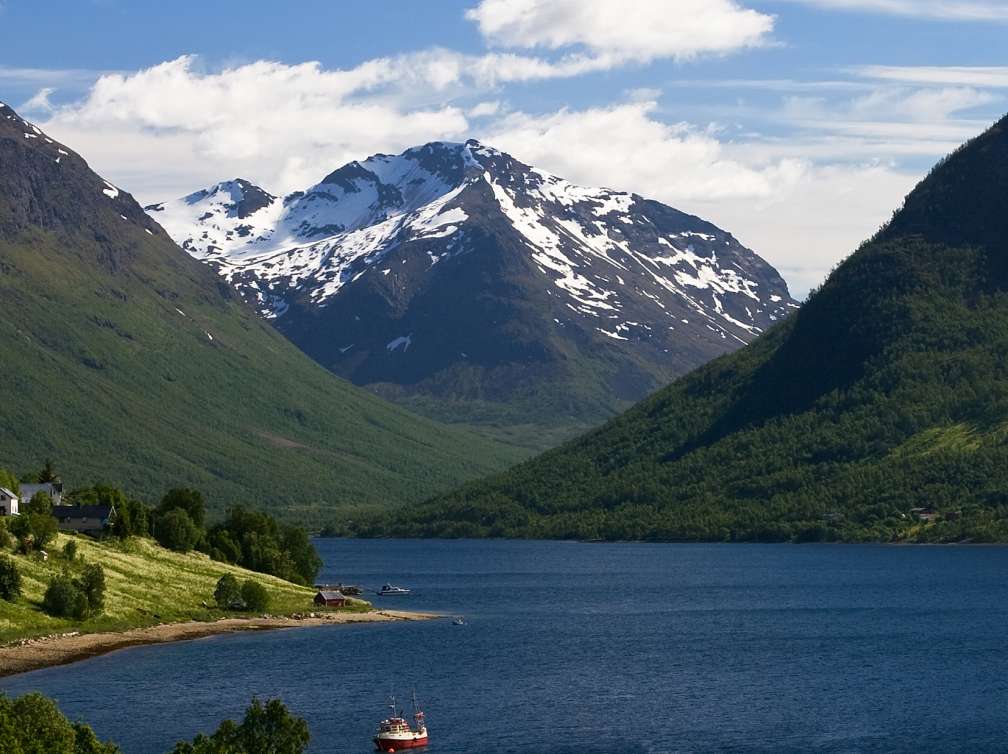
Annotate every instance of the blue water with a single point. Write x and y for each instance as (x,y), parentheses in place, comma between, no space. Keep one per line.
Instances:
(605,649)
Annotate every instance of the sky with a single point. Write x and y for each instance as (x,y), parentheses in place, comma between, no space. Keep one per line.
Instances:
(797,125)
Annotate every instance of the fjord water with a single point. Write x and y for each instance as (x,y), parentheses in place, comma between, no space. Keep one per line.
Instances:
(604,649)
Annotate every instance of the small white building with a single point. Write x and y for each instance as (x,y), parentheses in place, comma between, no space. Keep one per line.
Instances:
(8,502)
(53,489)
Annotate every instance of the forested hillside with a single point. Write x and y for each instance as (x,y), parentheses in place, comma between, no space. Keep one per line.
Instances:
(879,411)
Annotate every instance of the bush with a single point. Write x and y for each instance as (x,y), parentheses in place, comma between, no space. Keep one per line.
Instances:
(255,596)
(33,723)
(10,579)
(176,530)
(70,550)
(66,597)
(266,728)
(36,528)
(40,503)
(63,599)
(228,591)
(92,585)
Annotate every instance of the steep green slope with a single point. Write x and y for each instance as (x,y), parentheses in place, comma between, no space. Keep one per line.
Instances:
(887,391)
(127,361)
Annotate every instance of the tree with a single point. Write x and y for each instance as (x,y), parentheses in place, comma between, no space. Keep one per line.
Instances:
(266,729)
(255,596)
(48,474)
(92,586)
(33,724)
(41,502)
(176,530)
(44,528)
(190,501)
(37,526)
(70,550)
(9,481)
(10,579)
(228,591)
(64,599)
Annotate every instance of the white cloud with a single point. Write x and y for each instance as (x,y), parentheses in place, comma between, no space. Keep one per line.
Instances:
(39,103)
(278,124)
(964,10)
(484,109)
(801,215)
(992,77)
(614,31)
(625,147)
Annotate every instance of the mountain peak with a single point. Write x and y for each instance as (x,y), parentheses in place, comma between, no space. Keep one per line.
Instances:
(45,183)
(456,257)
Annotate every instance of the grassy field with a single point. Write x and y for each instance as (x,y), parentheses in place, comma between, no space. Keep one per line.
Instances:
(145,585)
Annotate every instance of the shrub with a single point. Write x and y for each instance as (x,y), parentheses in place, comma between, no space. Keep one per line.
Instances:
(40,503)
(33,723)
(92,585)
(176,530)
(34,529)
(10,579)
(255,596)
(266,728)
(228,591)
(70,550)
(64,599)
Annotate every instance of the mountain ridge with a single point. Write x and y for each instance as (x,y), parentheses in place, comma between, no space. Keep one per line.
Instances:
(128,361)
(455,273)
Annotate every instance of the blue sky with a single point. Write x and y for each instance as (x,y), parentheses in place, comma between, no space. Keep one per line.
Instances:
(796,124)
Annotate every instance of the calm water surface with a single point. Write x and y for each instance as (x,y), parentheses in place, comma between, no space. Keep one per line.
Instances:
(605,649)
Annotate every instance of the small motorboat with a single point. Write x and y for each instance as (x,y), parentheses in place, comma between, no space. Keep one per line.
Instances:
(395,734)
(459,621)
(388,590)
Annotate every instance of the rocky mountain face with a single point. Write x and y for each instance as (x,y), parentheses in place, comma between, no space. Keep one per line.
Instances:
(463,282)
(126,361)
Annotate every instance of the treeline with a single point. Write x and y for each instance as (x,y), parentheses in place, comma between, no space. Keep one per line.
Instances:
(33,724)
(251,539)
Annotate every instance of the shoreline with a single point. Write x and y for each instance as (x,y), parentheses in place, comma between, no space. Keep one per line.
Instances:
(36,654)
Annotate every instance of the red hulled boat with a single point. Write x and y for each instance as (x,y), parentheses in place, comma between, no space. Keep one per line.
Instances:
(395,734)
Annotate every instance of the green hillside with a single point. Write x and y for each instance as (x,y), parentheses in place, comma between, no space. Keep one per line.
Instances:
(127,361)
(887,392)
(144,585)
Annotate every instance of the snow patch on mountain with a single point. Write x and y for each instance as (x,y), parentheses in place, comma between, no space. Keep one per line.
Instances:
(608,255)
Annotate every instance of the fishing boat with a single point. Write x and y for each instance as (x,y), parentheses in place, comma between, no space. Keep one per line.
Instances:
(395,734)
(388,590)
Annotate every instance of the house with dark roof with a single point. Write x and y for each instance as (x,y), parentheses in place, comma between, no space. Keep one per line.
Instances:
(8,502)
(85,519)
(326,598)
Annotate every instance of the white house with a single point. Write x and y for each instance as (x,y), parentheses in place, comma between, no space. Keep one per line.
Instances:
(8,502)
(53,489)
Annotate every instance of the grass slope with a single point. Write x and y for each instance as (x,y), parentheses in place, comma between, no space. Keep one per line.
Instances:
(127,361)
(887,391)
(144,585)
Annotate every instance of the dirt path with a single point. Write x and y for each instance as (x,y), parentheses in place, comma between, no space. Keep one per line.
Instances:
(33,654)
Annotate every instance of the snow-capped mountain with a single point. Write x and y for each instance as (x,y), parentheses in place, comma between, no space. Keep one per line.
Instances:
(456,271)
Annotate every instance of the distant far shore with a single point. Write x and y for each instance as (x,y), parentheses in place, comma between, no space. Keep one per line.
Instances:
(35,654)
